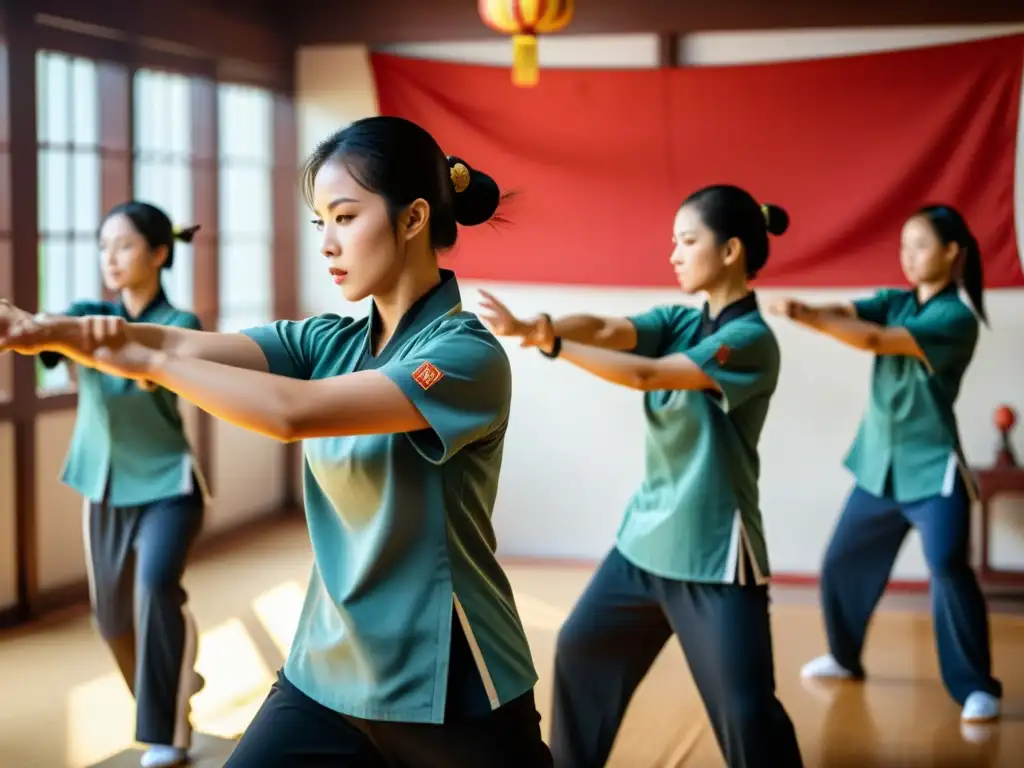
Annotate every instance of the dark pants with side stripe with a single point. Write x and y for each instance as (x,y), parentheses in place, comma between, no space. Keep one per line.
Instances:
(617,629)
(860,557)
(136,558)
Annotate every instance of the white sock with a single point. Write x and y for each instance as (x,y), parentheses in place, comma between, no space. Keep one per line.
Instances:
(825,666)
(162,756)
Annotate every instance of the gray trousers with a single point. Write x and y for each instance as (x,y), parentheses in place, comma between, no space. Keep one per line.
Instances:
(135,558)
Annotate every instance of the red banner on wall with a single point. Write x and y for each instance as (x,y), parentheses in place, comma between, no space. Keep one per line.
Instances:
(849,146)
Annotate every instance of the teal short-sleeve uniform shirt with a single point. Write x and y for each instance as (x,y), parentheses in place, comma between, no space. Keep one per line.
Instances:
(401,523)
(908,443)
(696,516)
(129,446)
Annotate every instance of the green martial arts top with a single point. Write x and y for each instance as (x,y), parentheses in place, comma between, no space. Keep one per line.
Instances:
(401,523)
(696,515)
(129,445)
(909,429)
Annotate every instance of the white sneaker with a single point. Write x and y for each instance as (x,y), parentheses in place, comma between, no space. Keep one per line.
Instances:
(826,666)
(980,707)
(160,756)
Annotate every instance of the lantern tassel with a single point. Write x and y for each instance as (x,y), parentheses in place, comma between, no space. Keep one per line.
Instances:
(525,67)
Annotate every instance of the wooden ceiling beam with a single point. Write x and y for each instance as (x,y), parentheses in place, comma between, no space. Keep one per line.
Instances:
(396,21)
(190,27)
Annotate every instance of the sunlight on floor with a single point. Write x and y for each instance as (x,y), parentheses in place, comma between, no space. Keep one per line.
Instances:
(101,712)
(536,614)
(278,611)
(70,707)
(100,720)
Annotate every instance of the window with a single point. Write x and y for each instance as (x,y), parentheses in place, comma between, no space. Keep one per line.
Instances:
(245,147)
(163,164)
(69,188)
(6,256)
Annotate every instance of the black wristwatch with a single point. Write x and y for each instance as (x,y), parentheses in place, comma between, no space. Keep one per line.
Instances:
(556,348)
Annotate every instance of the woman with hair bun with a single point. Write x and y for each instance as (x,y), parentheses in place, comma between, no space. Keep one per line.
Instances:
(690,558)
(130,459)
(908,464)
(409,648)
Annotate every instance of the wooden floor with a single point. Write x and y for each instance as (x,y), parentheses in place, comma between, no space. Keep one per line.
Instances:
(63,703)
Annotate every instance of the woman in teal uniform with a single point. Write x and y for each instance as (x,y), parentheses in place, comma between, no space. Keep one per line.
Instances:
(409,649)
(690,558)
(131,461)
(907,461)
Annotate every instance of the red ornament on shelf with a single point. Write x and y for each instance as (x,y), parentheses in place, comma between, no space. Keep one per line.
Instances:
(1005,418)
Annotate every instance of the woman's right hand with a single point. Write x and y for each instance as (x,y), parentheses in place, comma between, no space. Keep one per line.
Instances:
(499,318)
(786,307)
(75,337)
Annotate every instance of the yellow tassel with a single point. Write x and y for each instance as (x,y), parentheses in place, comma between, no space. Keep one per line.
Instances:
(525,69)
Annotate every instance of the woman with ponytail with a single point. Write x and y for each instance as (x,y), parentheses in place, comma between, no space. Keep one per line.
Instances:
(130,459)
(907,461)
(409,649)
(691,558)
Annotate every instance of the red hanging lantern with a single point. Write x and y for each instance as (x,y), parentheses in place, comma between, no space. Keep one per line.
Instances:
(524,20)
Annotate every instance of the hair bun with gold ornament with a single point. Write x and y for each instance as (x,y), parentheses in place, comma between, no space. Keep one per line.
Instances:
(776,220)
(476,194)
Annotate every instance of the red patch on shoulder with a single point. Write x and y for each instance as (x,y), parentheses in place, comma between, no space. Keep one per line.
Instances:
(427,375)
(722,354)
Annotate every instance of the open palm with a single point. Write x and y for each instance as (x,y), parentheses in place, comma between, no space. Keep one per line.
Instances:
(499,318)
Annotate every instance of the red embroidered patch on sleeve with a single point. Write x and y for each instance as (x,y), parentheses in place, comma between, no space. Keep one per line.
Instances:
(427,375)
(722,354)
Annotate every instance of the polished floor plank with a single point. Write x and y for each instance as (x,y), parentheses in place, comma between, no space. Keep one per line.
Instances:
(63,703)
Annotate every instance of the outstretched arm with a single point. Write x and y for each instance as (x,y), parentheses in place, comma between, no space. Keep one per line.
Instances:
(77,337)
(452,390)
(283,408)
(643,373)
(605,332)
(842,323)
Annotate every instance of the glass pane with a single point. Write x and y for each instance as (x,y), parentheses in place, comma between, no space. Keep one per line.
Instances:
(42,112)
(178,279)
(239,321)
(58,99)
(151,182)
(179,119)
(146,180)
(245,279)
(181,201)
(245,116)
(245,201)
(54,170)
(86,175)
(86,97)
(143,119)
(85,280)
(54,380)
(55,288)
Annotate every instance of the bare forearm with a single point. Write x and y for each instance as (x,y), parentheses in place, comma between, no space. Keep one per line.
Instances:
(842,326)
(249,399)
(634,371)
(605,332)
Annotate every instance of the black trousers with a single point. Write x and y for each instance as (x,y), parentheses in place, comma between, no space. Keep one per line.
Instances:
(617,629)
(293,731)
(136,557)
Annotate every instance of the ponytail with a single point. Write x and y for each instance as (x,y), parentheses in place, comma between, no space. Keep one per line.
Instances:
(951,227)
(972,278)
